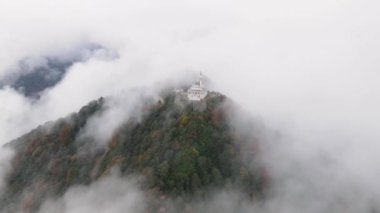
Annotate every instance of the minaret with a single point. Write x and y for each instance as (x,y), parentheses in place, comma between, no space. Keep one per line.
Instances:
(200,79)
(196,92)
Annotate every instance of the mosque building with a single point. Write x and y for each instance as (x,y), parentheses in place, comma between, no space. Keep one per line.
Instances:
(197,91)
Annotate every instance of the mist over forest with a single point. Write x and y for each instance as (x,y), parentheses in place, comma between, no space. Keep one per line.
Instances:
(90,120)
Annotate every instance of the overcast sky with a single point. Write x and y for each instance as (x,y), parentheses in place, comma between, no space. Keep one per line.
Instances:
(309,69)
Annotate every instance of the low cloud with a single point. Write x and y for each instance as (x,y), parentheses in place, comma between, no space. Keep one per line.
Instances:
(117,110)
(307,70)
(112,194)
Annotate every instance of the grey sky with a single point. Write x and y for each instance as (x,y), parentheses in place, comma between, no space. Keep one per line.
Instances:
(309,69)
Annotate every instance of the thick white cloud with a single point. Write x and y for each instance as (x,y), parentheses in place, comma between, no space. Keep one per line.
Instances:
(112,194)
(308,68)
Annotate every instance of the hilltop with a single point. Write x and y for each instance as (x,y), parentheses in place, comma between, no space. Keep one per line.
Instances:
(179,148)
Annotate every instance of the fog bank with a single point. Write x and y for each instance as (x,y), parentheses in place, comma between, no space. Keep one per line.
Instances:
(307,69)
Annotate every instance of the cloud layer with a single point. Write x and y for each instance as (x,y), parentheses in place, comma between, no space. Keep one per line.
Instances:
(308,69)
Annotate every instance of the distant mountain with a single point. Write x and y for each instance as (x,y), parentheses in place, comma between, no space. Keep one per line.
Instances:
(32,75)
(180,149)
(41,77)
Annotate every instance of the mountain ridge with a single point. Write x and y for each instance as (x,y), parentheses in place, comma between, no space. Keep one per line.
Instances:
(180,149)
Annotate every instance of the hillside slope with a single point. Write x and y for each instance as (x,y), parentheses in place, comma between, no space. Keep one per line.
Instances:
(180,149)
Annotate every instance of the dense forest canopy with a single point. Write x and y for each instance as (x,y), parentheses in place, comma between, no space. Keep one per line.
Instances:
(178,148)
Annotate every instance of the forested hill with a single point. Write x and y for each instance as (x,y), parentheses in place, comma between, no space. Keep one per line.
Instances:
(180,149)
